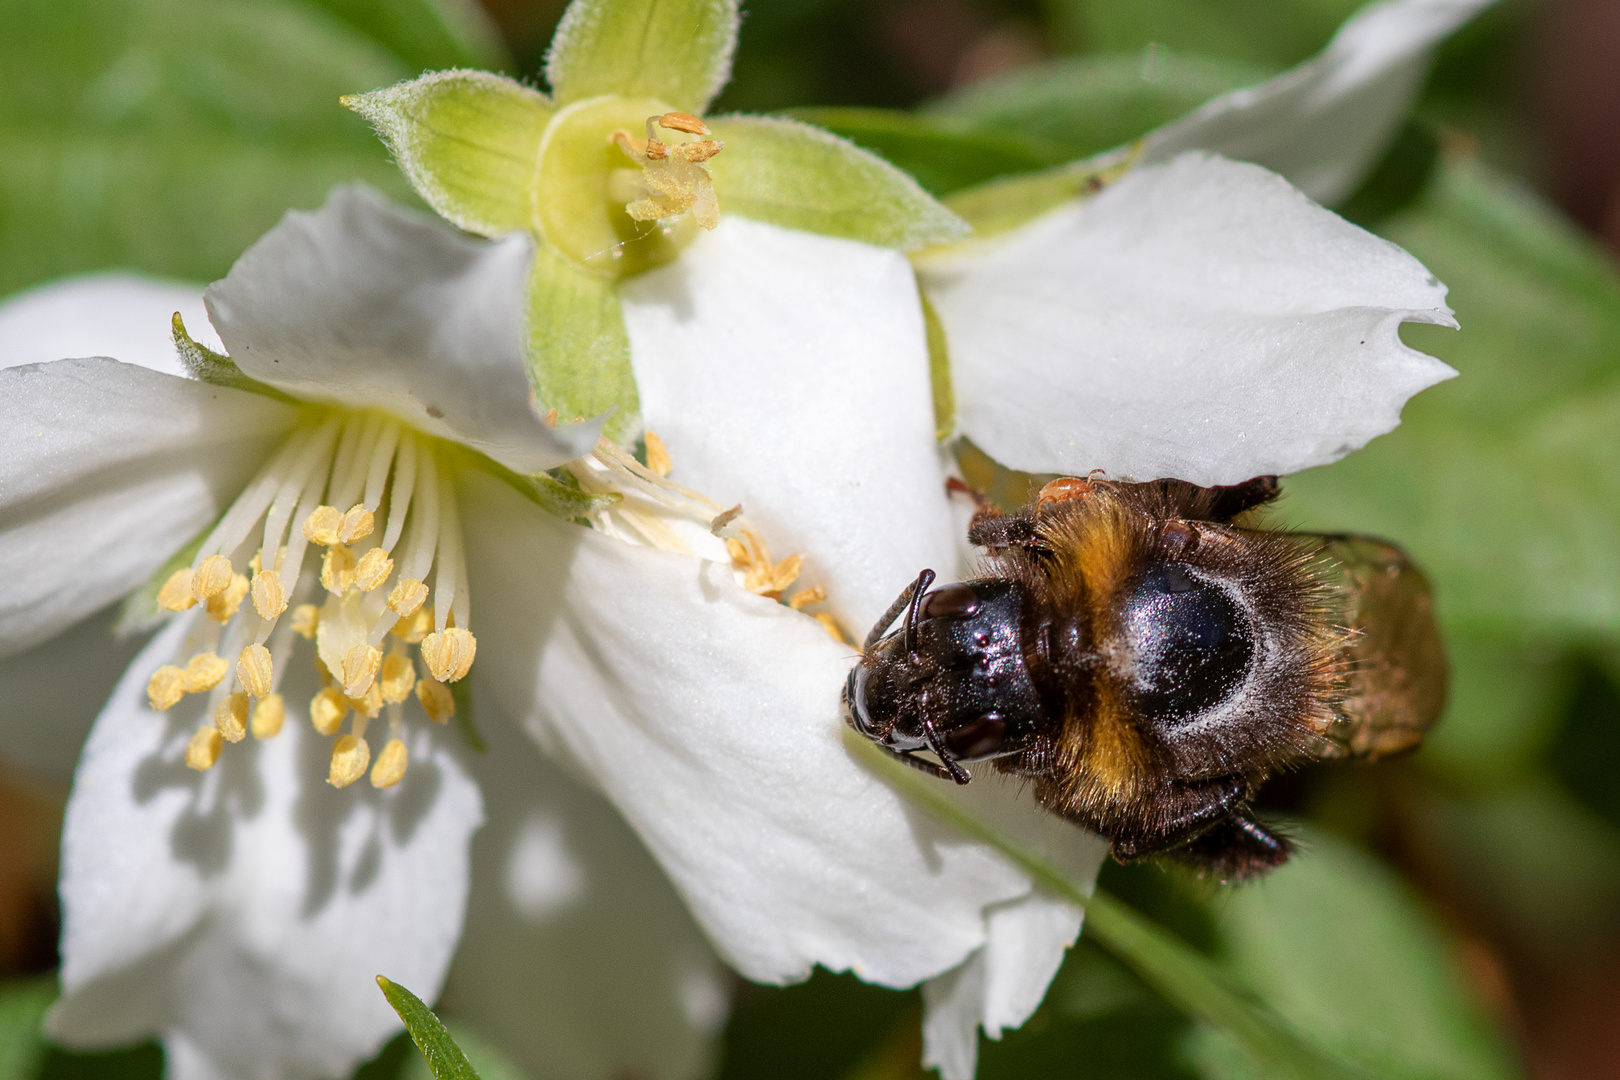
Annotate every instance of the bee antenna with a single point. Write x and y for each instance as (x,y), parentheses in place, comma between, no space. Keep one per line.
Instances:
(948,759)
(924,579)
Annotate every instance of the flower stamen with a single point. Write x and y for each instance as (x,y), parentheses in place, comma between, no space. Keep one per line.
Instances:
(672,175)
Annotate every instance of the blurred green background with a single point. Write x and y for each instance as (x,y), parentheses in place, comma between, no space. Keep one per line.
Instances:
(1456,913)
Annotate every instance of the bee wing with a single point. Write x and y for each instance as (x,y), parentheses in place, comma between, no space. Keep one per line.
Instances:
(1392,663)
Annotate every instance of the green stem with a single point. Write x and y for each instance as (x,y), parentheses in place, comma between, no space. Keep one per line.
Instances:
(1180,973)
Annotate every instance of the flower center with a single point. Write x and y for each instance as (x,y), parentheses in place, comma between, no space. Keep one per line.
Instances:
(615,203)
(326,490)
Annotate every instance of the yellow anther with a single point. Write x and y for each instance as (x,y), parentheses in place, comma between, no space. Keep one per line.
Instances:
(204,671)
(306,618)
(327,710)
(166,687)
(231,717)
(212,577)
(372,569)
(203,749)
(805,597)
(360,666)
(406,597)
(337,570)
(436,699)
(254,670)
(350,756)
(397,679)
(176,592)
(415,628)
(268,716)
(834,631)
(449,654)
(679,121)
(321,527)
(222,607)
(760,575)
(390,767)
(658,454)
(368,704)
(269,597)
(357,524)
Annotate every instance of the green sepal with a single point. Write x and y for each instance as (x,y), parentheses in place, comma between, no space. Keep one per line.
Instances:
(443,1056)
(939,370)
(678,51)
(206,365)
(466,722)
(140,612)
(941,154)
(468,142)
(556,497)
(578,350)
(801,177)
(1003,205)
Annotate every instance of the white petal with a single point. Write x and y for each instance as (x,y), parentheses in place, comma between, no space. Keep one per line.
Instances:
(571,928)
(710,718)
(1324,124)
(116,313)
(53,691)
(789,372)
(107,469)
(1199,319)
(362,303)
(243,913)
(1001,985)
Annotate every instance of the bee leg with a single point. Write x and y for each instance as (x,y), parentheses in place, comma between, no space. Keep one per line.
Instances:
(1234,849)
(909,598)
(953,768)
(920,764)
(989,528)
(1186,811)
(1234,499)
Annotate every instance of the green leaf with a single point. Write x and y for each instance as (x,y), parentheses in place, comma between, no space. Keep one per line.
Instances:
(678,51)
(167,136)
(1503,711)
(1336,944)
(1182,975)
(22,1008)
(1281,33)
(469,143)
(490,1062)
(578,351)
(801,177)
(427,34)
(942,155)
(1504,483)
(1087,105)
(443,1056)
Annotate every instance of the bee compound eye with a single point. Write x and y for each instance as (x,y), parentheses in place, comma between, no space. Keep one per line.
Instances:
(980,739)
(1191,642)
(949,602)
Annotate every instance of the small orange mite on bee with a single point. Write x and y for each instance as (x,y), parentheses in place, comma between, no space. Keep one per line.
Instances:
(1147,656)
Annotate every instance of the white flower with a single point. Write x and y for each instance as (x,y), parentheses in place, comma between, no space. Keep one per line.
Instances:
(240,908)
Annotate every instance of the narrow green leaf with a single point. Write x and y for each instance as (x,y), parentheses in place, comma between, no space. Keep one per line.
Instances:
(214,368)
(1090,104)
(1337,945)
(943,155)
(678,51)
(443,1056)
(939,371)
(22,1007)
(140,610)
(428,34)
(578,351)
(466,721)
(801,177)
(1269,31)
(1185,977)
(469,143)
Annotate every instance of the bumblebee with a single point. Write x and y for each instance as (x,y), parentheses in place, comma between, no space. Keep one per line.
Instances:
(1146,656)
